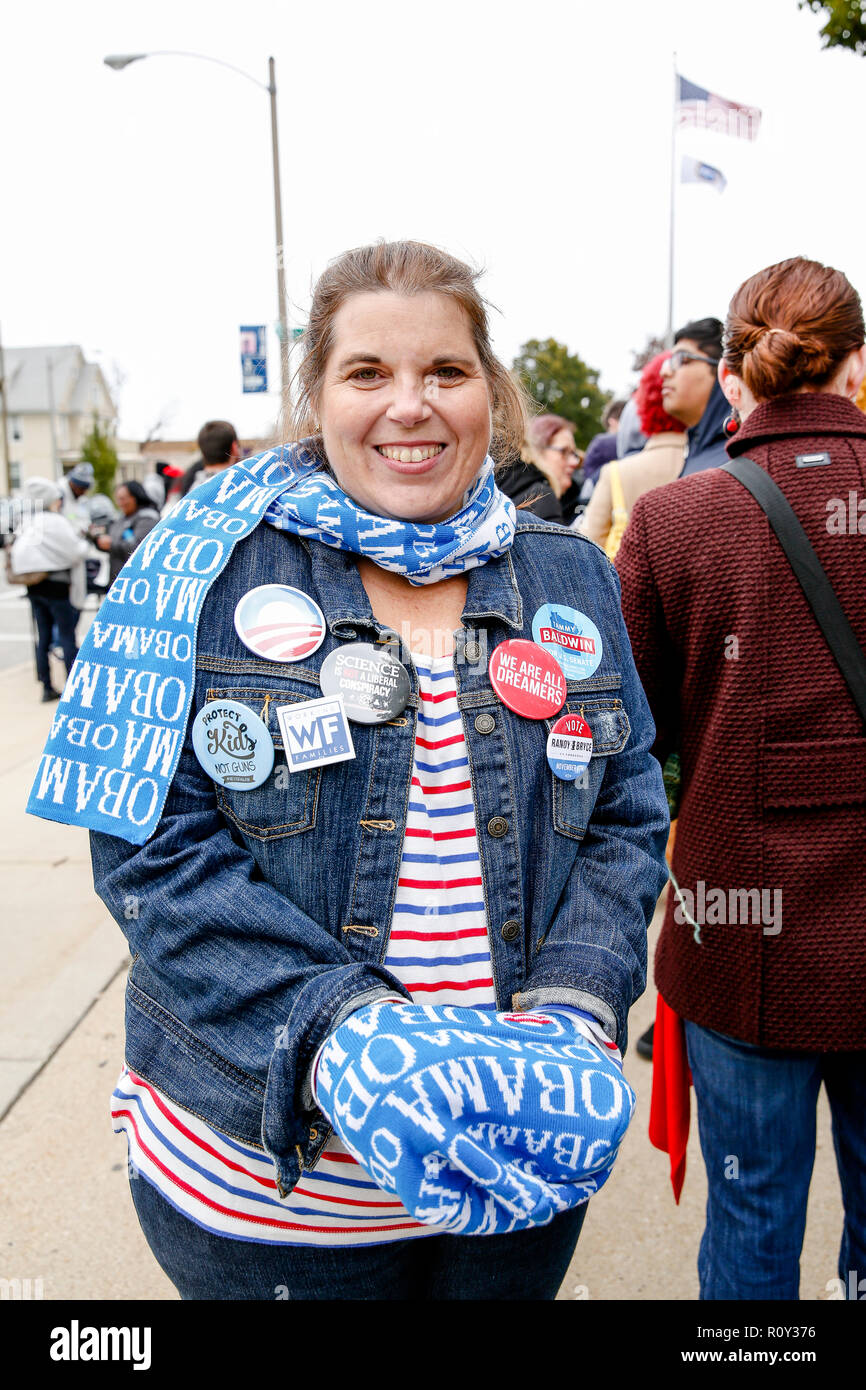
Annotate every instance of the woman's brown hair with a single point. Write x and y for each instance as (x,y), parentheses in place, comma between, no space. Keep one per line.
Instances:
(791,326)
(404,267)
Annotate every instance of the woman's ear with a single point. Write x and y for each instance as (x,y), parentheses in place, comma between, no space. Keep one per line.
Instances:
(731,385)
(856,371)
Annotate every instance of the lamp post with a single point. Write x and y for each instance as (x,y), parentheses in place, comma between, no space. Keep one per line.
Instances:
(118,61)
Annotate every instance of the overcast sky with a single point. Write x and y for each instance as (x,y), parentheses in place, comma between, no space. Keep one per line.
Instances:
(532,139)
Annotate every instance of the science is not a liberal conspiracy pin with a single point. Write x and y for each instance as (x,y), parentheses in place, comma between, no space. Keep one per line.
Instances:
(233,745)
(527,678)
(279,623)
(374,685)
(571,637)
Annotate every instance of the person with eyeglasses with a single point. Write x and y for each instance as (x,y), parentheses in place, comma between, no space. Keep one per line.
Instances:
(691,393)
(540,479)
(622,481)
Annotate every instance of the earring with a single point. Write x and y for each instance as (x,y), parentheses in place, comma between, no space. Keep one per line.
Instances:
(732,421)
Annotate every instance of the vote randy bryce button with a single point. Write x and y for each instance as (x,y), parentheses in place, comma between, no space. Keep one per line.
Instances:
(374,685)
(571,637)
(233,745)
(527,679)
(279,623)
(569,747)
(315,732)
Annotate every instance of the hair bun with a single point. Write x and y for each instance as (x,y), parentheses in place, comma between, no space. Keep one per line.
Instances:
(782,359)
(791,326)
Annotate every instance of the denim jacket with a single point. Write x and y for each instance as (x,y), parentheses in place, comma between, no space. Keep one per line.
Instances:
(259,920)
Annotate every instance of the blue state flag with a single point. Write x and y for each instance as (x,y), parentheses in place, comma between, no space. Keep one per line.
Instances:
(254,358)
(694,171)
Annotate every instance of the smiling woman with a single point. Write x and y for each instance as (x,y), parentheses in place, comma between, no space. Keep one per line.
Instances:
(381,972)
(405,408)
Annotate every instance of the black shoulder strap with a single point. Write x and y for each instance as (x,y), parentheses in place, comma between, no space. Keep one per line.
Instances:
(829,613)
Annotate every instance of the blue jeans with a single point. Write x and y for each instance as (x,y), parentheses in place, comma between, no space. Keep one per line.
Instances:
(50,614)
(756,1116)
(526,1265)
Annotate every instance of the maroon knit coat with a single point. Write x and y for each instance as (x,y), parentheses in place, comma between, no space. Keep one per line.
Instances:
(742,685)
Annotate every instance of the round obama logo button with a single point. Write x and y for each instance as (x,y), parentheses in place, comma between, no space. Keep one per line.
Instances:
(571,637)
(279,623)
(233,745)
(374,685)
(569,747)
(527,678)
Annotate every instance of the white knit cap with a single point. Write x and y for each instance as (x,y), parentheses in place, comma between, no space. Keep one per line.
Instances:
(42,490)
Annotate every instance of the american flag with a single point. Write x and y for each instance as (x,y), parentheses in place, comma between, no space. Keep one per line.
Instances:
(697,106)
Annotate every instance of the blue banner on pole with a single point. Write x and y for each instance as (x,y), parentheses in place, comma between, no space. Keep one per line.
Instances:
(254,358)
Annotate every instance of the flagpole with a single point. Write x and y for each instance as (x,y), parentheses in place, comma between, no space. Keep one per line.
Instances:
(669,333)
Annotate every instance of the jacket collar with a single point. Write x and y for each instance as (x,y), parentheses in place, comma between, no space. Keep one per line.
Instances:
(492,592)
(711,426)
(805,413)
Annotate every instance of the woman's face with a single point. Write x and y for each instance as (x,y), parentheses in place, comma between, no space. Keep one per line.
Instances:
(404,407)
(125,501)
(559,460)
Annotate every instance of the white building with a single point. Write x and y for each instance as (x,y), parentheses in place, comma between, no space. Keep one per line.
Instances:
(52,397)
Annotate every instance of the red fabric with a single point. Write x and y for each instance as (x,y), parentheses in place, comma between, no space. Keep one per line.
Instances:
(741,684)
(670,1107)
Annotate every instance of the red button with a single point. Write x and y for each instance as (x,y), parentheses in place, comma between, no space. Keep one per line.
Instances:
(527,679)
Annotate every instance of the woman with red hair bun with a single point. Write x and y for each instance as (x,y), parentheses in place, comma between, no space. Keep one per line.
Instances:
(621,482)
(744,686)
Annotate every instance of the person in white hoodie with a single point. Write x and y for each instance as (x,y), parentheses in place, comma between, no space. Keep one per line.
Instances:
(47,544)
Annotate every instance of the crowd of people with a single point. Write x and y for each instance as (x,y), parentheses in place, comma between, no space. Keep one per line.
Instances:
(401,918)
(71,542)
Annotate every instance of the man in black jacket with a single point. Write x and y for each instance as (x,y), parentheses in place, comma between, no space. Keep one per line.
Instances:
(691,393)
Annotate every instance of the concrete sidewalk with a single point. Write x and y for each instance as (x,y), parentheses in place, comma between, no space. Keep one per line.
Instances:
(60,947)
(65,1212)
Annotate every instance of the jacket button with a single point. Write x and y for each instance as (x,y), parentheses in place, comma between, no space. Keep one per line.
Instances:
(472,651)
(485,723)
(510,930)
(497,826)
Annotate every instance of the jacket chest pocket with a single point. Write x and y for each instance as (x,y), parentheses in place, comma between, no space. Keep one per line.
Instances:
(573,802)
(286,802)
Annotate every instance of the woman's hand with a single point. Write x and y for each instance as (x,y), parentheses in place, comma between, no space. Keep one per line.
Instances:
(480,1123)
(103,542)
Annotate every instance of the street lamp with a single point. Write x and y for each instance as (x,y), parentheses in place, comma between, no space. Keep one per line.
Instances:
(119,61)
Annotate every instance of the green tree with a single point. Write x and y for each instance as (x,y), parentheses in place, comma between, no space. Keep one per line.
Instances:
(98,449)
(563,384)
(845,23)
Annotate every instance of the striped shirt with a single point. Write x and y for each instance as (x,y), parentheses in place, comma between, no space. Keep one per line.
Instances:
(438,948)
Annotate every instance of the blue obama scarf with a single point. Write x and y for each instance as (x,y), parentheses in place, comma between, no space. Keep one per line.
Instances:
(118,731)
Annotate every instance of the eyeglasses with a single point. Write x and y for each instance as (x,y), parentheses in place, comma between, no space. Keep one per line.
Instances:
(677,358)
(565,450)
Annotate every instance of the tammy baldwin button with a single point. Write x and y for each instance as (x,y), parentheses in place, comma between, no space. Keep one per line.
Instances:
(571,637)
(569,747)
(279,622)
(527,679)
(233,745)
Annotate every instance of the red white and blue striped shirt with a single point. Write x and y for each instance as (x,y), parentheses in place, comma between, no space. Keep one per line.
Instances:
(438,948)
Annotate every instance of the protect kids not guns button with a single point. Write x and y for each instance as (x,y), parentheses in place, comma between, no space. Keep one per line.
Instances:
(233,745)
